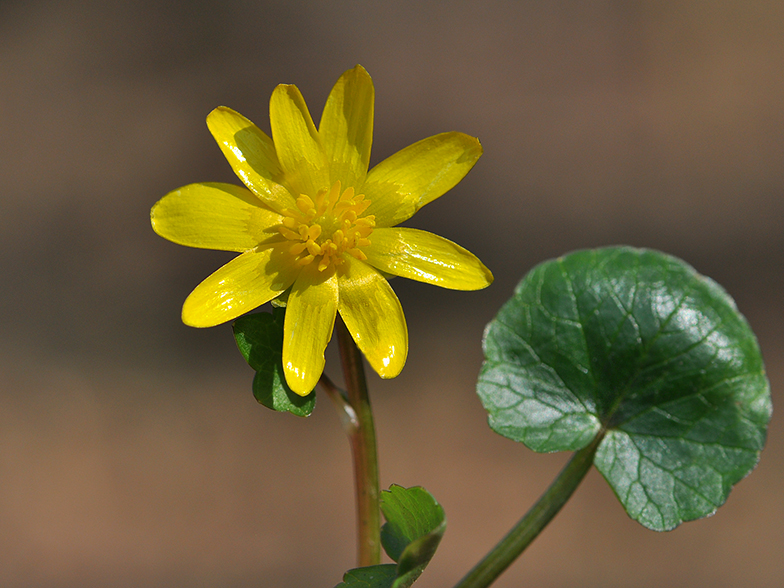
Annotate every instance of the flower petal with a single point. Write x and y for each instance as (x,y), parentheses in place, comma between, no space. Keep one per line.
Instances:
(403,183)
(297,142)
(252,156)
(246,282)
(425,257)
(215,216)
(373,316)
(310,317)
(346,127)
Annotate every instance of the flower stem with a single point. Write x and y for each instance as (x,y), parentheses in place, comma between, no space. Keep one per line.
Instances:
(535,520)
(363,450)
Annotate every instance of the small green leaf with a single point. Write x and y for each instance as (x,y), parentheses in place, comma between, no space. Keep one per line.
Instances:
(414,527)
(382,576)
(411,513)
(637,344)
(259,338)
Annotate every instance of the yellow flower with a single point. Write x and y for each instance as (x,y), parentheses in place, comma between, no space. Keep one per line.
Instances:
(313,222)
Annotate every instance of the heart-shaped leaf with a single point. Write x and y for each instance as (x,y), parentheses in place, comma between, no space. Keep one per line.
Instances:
(637,345)
(414,528)
(259,338)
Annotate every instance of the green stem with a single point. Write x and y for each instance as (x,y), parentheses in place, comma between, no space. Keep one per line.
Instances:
(363,450)
(534,521)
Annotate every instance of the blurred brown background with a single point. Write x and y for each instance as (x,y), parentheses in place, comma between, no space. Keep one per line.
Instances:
(132,452)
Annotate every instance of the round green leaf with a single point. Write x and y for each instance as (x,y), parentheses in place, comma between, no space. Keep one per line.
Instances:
(637,346)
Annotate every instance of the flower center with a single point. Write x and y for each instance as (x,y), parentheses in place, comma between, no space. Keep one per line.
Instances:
(324,228)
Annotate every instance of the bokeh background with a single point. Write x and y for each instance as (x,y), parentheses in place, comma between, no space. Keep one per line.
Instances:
(132,452)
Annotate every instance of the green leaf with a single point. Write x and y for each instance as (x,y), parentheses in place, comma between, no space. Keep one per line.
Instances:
(382,576)
(637,345)
(259,338)
(414,528)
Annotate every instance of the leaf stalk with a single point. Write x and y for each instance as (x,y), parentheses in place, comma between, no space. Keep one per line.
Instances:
(535,520)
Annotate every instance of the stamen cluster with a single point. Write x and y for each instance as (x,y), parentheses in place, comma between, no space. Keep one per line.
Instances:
(325,228)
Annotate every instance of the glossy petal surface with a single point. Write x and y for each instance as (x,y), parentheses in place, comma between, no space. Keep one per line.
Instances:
(297,142)
(346,127)
(310,213)
(403,183)
(310,317)
(252,156)
(373,316)
(215,216)
(425,257)
(246,282)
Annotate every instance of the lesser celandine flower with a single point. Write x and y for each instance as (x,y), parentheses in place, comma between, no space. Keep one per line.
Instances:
(314,223)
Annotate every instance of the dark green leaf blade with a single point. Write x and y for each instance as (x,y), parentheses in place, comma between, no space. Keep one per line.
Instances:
(638,343)
(259,338)
(381,576)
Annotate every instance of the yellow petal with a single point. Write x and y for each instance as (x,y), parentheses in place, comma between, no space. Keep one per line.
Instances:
(297,142)
(346,127)
(246,282)
(215,216)
(403,183)
(425,257)
(373,316)
(310,317)
(252,156)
